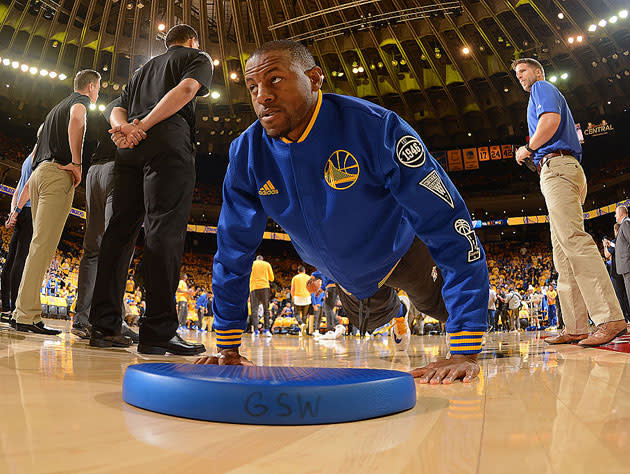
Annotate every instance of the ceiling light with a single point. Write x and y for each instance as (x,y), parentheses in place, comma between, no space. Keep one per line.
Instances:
(360,69)
(24,67)
(615,56)
(355,70)
(101,108)
(438,55)
(579,38)
(561,15)
(334,74)
(15,64)
(594,64)
(216,62)
(233,76)
(52,74)
(403,62)
(571,39)
(340,74)
(380,64)
(6,61)
(613,19)
(394,62)
(623,14)
(608,102)
(33,70)
(602,23)
(43,72)
(116,87)
(161,27)
(62,77)
(469,134)
(592,28)
(215,118)
(372,67)
(553,78)
(215,94)
(564,75)
(505,89)
(604,60)
(92,106)
(465,50)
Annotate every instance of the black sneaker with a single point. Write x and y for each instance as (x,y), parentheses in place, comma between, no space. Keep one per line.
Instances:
(130,333)
(98,339)
(83,332)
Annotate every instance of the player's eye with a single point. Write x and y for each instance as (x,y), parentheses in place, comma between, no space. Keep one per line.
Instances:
(275,80)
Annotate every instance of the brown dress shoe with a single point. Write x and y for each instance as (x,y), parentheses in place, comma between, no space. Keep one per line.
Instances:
(565,338)
(605,333)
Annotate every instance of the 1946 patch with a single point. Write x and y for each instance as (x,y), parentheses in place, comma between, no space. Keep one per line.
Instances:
(410,152)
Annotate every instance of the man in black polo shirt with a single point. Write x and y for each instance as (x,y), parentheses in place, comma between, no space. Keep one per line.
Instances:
(56,172)
(99,186)
(154,178)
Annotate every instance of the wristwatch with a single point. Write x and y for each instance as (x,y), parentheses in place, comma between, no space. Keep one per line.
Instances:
(529,149)
(17,210)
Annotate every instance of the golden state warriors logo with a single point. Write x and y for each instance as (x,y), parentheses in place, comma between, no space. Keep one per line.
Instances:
(341,170)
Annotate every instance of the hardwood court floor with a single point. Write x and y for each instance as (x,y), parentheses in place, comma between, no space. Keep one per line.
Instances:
(534,409)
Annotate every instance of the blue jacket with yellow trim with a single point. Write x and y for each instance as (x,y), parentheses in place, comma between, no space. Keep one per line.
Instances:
(352,193)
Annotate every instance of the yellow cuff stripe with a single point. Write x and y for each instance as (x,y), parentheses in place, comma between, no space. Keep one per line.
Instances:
(230,336)
(229,331)
(467,333)
(464,341)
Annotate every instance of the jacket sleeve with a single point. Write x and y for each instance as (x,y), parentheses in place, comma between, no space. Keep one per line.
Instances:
(438,214)
(240,230)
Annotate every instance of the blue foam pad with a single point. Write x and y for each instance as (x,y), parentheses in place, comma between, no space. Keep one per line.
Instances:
(268,395)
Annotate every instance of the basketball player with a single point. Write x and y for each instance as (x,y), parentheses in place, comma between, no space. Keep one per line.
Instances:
(337,162)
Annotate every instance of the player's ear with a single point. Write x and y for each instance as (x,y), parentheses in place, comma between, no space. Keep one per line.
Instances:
(316,76)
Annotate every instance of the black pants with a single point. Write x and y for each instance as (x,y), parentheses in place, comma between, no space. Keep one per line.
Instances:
(622,296)
(329,307)
(413,274)
(153,183)
(14,265)
(260,297)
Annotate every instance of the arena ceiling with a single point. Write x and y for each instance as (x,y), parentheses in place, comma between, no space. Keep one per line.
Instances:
(442,65)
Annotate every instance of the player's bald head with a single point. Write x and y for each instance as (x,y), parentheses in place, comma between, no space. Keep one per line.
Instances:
(300,56)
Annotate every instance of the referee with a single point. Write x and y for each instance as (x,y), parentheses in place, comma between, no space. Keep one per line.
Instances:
(154,176)
(584,286)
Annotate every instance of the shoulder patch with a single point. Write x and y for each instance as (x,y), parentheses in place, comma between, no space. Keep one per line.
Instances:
(434,183)
(410,152)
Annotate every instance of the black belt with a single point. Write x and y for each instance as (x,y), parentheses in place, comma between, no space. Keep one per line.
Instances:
(545,159)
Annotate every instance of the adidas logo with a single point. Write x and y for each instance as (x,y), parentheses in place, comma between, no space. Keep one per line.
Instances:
(268,189)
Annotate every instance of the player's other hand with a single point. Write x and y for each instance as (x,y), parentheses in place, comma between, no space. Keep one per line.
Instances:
(446,371)
(225,357)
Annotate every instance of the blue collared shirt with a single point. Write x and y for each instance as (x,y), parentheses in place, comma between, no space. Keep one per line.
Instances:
(545,97)
(26,174)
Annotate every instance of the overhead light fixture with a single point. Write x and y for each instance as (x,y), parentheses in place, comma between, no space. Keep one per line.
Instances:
(6,61)
(215,118)
(33,70)
(394,62)
(505,89)
(372,67)
(469,134)
(561,15)
(466,50)
(43,72)
(608,102)
(380,64)
(602,23)
(52,74)
(333,73)
(340,74)
(92,106)
(116,87)
(579,38)
(215,94)
(360,69)
(24,67)
(623,14)
(613,19)
(161,27)
(216,62)
(101,108)
(564,75)
(233,76)
(592,28)
(403,62)
(571,39)
(62,77)
(553,78)
(355,70)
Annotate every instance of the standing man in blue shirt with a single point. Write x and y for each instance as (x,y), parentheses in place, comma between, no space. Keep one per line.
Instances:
(584,287)
(315,162)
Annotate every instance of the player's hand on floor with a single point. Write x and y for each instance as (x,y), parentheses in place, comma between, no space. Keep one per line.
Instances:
(225,357)
(446,371)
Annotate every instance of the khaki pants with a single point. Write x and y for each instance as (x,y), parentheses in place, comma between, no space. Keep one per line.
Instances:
(584,286)
(51,192)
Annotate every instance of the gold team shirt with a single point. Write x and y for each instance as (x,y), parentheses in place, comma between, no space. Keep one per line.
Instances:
(551,297)
(298,283)
(261,275)
(181,287)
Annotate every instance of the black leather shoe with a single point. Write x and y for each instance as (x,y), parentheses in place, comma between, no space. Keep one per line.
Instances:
(37,328)
(12,323)
(6,316)
(130,333)
(98,339)
(176,345)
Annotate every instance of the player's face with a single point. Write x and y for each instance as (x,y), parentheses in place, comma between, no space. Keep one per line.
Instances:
(281,93)
(527,75)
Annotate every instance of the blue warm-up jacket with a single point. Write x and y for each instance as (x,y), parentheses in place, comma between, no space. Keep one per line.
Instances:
(352,193)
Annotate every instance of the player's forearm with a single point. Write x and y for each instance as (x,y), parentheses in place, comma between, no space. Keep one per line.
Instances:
(118,117)
(547,127)
(24,196)
(170,104)
(76,132)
